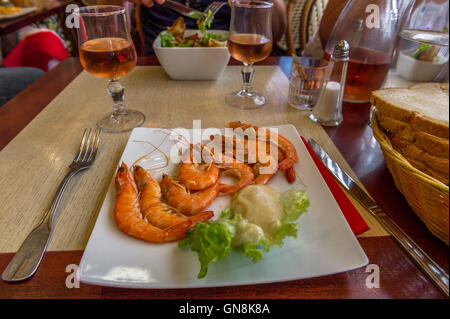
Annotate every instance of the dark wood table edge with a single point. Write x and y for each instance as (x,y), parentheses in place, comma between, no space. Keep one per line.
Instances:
(68,71)
(57,269)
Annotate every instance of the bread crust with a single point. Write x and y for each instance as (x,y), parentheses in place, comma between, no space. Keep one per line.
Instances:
(415,119)
(431,144)
(438,164)
(442,177)
(422,141)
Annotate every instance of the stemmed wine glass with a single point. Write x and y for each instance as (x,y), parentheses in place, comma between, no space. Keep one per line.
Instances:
(107,51)
(250,41)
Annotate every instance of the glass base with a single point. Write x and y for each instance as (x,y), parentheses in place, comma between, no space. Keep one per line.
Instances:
(302,107)
(245,100)
(325,122)
(121,123)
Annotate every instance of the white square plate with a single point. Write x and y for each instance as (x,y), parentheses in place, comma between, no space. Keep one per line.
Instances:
(325,245)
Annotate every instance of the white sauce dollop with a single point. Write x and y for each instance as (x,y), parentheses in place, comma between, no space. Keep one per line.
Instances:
(260,205)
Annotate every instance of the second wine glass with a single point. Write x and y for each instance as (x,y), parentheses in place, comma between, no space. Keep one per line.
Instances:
(250,41)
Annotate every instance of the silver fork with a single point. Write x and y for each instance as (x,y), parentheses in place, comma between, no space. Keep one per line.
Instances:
(192,13)
(214,7)
(27,259)
(184,10)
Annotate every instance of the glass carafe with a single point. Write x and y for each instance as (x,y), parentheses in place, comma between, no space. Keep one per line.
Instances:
(370,27)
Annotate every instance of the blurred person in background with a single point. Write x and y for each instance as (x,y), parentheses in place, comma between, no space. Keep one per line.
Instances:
(14,80)
(155,17)
(32,51)
(315,46)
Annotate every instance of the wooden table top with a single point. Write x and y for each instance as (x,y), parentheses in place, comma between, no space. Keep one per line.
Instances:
(400,278)
(52,7)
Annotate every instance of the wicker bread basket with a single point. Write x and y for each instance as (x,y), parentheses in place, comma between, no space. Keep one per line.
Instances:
(427,196)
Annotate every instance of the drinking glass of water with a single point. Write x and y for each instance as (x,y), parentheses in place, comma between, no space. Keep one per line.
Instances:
(308,76)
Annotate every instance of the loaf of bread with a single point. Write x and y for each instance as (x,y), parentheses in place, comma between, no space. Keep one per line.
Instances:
(416,120)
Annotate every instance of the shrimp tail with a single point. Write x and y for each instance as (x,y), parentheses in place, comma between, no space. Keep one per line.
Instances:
(202,217)
(286,164)
(263,179)
(291,176)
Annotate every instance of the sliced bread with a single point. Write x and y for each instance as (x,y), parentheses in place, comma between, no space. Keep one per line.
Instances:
(437,146)
(424,106)
(440,176)
(411,151)
(395,129)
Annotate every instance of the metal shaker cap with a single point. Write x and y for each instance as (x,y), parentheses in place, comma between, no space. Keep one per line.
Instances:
(342,51)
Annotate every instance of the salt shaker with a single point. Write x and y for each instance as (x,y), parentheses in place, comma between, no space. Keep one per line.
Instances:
(328,110)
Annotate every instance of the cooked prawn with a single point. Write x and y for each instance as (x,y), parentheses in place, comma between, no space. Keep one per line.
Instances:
(128,217)
(197,176)
(264,168)
(247,151)
(148,187)
(283,143)
(183,200)
(239,170)
(261,179)
(153,209)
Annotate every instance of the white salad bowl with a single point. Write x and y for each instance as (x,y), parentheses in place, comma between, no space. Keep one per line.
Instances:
(420,71)
(193,63)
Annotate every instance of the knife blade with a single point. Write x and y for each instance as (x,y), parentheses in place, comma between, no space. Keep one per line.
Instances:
(436,274)
(184,10)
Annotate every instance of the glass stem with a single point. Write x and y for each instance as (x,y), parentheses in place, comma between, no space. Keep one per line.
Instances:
(117,92)
(247,76)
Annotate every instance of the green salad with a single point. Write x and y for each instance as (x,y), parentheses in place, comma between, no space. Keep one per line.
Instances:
(214,240)
(175,37)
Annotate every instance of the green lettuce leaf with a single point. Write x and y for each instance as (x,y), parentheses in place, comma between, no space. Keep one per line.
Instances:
(295,203)
(212,240)
(167,40)
(202,25)
(187,44)
(253,251)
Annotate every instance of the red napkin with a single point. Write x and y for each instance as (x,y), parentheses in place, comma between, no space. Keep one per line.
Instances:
(356,222)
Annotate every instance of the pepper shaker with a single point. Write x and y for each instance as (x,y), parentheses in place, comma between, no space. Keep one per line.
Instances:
(328,110)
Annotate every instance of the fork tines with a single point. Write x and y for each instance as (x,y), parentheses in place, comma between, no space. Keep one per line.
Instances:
(214,7)
(89,145)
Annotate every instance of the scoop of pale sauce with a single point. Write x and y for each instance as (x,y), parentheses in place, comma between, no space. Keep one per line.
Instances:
(261,208)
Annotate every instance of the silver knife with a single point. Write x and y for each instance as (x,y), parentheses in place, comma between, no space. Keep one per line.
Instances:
(437,275)
(184,10)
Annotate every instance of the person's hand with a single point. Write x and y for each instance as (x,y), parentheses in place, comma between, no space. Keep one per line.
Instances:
(147,3)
